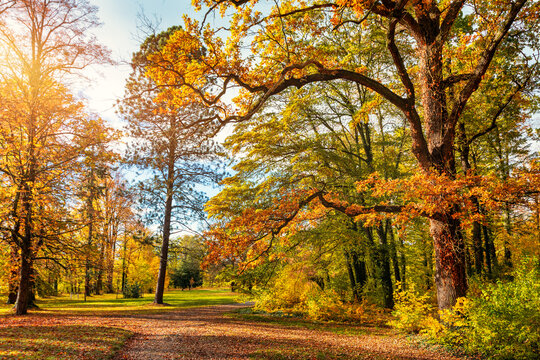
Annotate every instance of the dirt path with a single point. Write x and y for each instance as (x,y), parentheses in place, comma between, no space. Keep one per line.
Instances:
(205,333)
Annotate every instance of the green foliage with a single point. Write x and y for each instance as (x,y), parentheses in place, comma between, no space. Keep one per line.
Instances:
(186,276)
(45,288)
(132,291)
(503,322)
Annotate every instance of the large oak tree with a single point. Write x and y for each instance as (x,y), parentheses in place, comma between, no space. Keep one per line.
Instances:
(289,48)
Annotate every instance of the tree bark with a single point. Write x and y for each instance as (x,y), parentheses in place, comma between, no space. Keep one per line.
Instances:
(25,273)
(393,251)
(386,277)
(352,280)
(160,287)
(13,275)
(450,276)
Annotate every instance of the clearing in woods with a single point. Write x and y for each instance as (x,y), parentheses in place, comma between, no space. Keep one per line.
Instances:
(106,327)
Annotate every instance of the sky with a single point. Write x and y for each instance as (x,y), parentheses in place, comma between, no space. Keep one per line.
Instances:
(119,32)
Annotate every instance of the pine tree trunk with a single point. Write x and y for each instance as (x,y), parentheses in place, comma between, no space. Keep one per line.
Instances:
(160,287)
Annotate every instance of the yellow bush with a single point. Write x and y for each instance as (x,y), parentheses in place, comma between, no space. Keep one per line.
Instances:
(411,310)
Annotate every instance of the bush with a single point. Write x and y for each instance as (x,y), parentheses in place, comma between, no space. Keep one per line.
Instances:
(132,291)
(503,322)
(295,294)
(412,311)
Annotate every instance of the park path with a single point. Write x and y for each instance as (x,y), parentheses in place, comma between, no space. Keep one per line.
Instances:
(206,333)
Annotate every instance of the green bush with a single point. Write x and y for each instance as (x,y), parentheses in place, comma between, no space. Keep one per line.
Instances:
(132,291)
(503,322)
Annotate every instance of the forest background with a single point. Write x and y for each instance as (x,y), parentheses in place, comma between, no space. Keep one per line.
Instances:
(378,155)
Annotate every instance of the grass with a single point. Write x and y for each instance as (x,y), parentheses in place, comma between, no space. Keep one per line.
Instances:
(116,304)
(61,342)
(70,329)
(334,327)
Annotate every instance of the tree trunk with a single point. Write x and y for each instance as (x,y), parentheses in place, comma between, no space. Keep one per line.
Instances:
(124,263)
(386,277)
(160,287)
(508,226)
(403,262)
(110,253)
(26,250)
(477,247)
(439,157)
(393,252)
(25,273)
(13,274)
(450,276)
(352,280)
(360,272)
(99,269)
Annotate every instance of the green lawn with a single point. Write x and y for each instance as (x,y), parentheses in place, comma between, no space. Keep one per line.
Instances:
(112,303)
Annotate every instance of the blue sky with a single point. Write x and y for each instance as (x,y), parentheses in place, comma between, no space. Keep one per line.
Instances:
(119,33)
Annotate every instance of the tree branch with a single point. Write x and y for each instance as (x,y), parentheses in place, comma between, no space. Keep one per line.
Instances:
(493,124)
(449,19)
(482,66)
(398,61)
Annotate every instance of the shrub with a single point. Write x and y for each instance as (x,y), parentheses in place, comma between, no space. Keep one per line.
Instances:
(502,322)
(411,310)
(132,291)
(293,293)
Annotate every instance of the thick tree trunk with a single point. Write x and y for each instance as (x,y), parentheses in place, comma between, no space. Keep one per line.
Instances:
(24,297)
(450,276)
(450,264)
(25,273)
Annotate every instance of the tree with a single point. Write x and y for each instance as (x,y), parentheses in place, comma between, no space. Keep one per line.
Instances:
(290,49)
(44,43)
(96,163)
(166,149)
(331,141)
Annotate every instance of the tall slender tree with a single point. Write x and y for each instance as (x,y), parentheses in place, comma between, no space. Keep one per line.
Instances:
(174,158)
(44,43)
